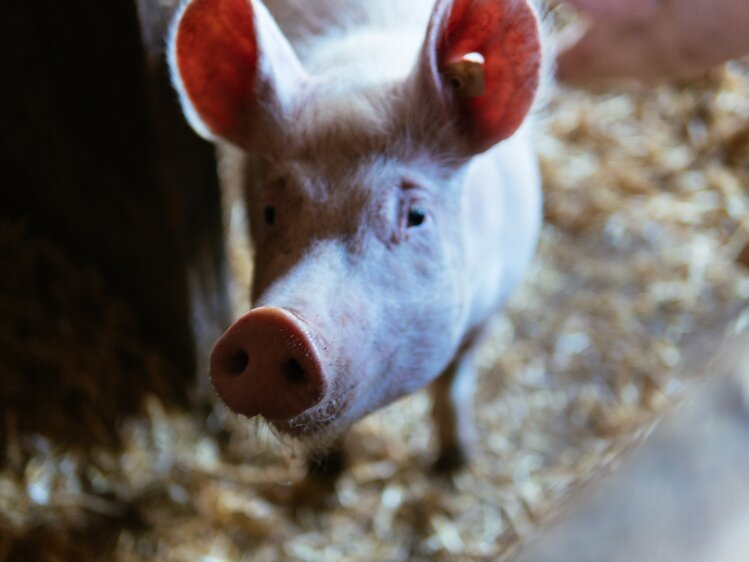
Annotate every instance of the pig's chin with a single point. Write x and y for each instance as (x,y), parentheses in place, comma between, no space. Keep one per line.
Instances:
(347,402)
(317,427)
(320,426)
(303,426)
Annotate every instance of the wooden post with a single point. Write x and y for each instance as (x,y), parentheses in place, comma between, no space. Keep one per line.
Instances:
(97,157)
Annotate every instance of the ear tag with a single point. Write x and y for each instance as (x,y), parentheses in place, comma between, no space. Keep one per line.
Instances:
(466,75)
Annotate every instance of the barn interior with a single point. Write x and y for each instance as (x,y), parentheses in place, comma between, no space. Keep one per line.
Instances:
(106,452)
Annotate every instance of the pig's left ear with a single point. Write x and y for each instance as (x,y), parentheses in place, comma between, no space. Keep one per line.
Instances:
(233,69)
(480,67)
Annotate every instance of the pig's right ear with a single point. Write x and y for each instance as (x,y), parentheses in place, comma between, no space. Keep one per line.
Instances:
(479,69)
(233,68)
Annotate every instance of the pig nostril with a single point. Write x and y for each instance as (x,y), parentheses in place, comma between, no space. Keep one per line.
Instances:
(294,372)
(236,362)
(266,364)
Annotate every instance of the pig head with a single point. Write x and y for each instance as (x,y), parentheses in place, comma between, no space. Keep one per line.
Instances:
(385,230)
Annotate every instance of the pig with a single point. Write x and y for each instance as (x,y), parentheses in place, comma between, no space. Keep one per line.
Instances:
(652,40)
(393,196)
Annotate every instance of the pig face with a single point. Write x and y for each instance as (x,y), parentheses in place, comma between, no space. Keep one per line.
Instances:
(357,207)
(367,253)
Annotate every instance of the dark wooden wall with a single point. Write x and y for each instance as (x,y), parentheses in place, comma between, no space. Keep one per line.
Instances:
(96,155)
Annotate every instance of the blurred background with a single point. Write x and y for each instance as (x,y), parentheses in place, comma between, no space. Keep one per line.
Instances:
(113,260)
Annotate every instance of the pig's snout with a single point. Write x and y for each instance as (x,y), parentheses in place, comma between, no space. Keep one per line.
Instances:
(266,363)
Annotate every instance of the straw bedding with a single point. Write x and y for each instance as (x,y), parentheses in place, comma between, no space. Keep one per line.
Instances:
(645,245)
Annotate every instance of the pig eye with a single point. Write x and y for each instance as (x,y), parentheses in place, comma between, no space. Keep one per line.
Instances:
(416,217)
(269,214)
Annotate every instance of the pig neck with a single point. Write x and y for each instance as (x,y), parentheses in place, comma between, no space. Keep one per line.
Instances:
(501,222)
(366,42)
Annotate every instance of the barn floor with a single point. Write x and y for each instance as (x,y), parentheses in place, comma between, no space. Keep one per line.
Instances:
(645,246)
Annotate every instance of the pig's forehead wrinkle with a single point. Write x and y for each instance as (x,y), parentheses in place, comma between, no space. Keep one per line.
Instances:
(342,123)
(349,193)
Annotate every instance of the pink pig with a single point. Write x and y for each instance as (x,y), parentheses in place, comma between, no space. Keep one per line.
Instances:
(394,198)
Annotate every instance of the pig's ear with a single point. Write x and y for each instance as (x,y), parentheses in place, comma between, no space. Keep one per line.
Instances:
(480,67)
(232,68)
